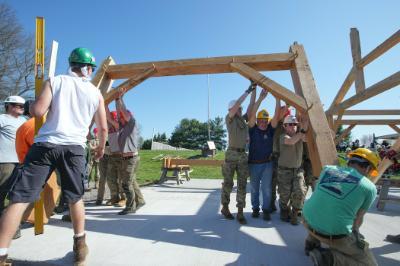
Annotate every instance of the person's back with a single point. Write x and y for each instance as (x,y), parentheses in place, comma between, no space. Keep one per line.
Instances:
(333,206)
(74,102)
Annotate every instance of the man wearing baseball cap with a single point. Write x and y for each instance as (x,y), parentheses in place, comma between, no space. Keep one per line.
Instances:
(9,123)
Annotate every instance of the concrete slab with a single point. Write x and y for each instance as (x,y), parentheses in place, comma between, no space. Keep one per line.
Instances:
(181,225)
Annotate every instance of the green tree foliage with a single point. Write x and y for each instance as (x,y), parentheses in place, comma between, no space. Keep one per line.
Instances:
(339,131)
(193,134)
(146,145)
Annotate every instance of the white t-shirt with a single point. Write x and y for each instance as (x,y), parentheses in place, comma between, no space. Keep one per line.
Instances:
(8,128)
(74,103)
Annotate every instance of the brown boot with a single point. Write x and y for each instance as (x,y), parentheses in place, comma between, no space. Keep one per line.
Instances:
(80,250)
(3,261)
(226,212)
(284,215)
(294,216)
(240,216)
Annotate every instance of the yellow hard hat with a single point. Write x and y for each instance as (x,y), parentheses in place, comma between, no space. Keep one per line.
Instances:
(366,154)
(263,114)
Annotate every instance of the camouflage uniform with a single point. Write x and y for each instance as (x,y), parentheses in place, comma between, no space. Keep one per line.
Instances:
(103,165)
(275,157)
(291,184)
(235,160)
(308,174)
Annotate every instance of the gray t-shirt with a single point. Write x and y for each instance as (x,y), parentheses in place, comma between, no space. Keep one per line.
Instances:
(113,141)
(8,128)
(128,137)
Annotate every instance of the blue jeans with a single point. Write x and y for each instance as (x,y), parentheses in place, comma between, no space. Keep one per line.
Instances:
(261,173)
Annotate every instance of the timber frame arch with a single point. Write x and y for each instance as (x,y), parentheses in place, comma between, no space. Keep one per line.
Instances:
(339,107)
(306,99)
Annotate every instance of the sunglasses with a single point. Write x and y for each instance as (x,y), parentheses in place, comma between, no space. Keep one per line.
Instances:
(18,105)
(291,124)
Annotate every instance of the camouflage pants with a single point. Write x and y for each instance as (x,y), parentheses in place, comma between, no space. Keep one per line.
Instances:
(235,162)
(291,187)
(308,175)
(103,165)
(113,178)
(345,251)
(126,172)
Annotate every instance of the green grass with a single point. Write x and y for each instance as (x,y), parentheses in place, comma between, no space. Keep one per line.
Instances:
(150,166)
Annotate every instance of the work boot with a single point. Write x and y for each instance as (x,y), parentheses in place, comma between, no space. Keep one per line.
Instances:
(309,245)
(255,213)
(99,202)
(240,216)
(3,261)
(120,203)
(321,257)
(126,211)
(226,212)
(294,216)
(393,238)
(112,201)
(80,250)
(273,207)
(266,215)
(284,215)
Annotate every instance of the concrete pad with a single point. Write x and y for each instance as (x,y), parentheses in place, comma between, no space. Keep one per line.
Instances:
(181,225)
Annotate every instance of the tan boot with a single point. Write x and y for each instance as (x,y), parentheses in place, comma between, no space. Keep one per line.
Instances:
(240,216)
(226,212)
(294,216)
(80,250)
(3,261)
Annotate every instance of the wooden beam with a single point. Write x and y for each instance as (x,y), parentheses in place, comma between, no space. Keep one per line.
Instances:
(320,143)
(344,133)
(356,53)
(370,122)
(130,83)
(336,123)
(348,81)
(377,88)
(101,73)
(213,65)
(271,86)
(372,112)
(381,49)
(395,128)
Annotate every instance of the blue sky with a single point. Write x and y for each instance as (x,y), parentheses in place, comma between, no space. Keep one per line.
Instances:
(153,30)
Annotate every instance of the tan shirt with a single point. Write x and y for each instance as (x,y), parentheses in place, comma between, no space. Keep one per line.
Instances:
(237,131)
(290,156)
(277,135)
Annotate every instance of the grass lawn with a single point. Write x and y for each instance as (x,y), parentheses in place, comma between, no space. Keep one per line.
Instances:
(151,161)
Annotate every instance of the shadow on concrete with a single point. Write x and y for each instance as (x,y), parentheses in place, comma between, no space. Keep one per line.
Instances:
(68,259)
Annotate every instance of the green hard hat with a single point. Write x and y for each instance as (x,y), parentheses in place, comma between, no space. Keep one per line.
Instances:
(82,56)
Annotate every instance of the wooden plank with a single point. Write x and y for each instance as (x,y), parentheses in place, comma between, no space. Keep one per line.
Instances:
(213,65)
(370,122)
(53,59)
(320,143)
(194,162)
(377,88)
(348,81)
(395,128)
(271,86)
(372,112)
(100,80)
(130,83)
(356,53)
(380,49)
(344,133)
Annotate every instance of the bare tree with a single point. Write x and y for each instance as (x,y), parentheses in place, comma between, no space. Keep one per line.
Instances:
(367,140)
(16,54)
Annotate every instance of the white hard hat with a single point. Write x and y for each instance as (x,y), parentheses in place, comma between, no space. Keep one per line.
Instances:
(290,119)
(231,104)
(14,99)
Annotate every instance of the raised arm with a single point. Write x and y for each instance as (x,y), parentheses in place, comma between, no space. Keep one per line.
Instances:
(109,118)
(43,101)
(101,123)
(120,105)
(253,115)
(275,119)
(239,101)
(252,100)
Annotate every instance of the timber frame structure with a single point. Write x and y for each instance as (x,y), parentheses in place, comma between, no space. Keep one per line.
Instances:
(305,97)
(339,108)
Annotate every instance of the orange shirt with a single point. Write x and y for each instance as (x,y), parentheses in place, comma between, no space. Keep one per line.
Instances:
(24,138)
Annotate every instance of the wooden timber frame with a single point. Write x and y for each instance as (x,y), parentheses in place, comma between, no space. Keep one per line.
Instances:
(339,108)
(304,98)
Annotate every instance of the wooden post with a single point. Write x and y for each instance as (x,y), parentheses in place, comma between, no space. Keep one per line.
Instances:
(356,53)
(395,128)
(320,142)
(101,80)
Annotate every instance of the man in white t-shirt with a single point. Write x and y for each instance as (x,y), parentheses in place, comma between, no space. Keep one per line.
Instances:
(9,123)
(71,102)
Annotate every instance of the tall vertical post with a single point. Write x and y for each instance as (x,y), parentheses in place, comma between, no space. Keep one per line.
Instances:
(356,53)
(320,142)
(39,76)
